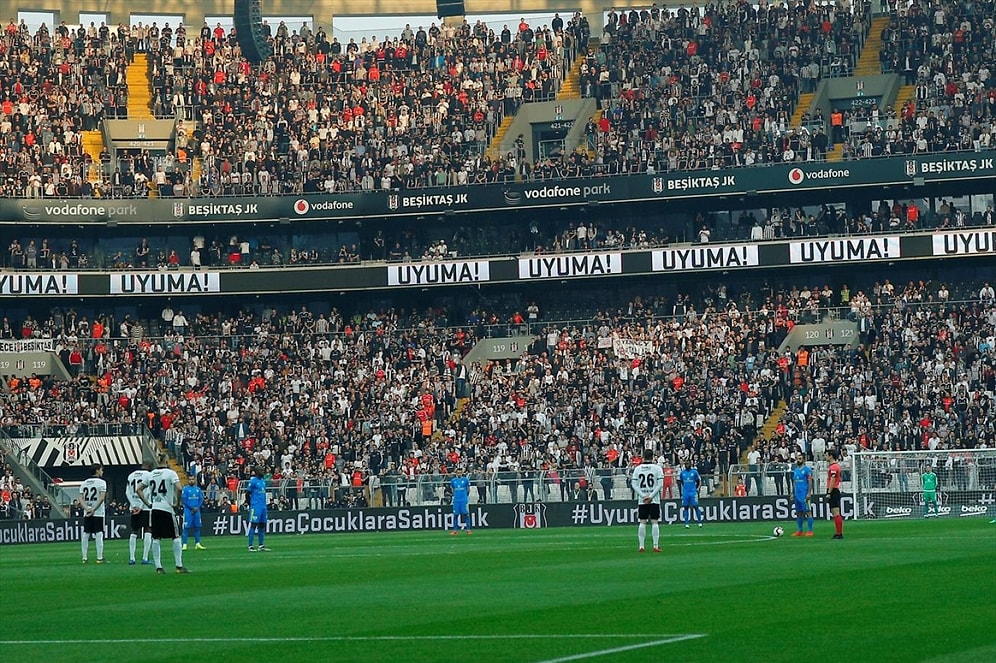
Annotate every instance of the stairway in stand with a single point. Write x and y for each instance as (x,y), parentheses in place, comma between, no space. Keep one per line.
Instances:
(805,101)
(869,63)
(494,149)
(195,172)
(770,424)
(139,88)
(571,87)
(906,93)
(836,153)
(93,145)
(437,435)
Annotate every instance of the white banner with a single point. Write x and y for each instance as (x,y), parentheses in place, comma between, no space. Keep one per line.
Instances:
(28,345)
(567,266)
(29,283)
(155,283)
(705,257)
(630,348)
(964,243)
(850,249)
(437,273)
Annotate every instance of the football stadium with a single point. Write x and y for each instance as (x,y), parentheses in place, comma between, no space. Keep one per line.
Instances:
(533,331)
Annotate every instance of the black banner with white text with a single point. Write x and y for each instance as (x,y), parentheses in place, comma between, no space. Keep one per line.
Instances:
(683,259)
(530,515)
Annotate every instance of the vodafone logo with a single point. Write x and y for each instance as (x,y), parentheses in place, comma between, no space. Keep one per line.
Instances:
(797,176)
(302,206)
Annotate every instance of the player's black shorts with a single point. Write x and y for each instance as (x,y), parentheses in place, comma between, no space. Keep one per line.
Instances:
(164,525)
(93,524)
(650,511)
(141,520)
(835,498)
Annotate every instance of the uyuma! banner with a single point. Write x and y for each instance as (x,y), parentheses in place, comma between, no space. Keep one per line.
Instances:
(155,283)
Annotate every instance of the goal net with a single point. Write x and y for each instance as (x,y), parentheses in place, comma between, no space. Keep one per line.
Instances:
(888,484)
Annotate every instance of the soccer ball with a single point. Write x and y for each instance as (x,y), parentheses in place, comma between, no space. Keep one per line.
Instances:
(778,531)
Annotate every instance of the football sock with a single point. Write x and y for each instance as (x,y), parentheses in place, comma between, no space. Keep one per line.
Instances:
(810,523)
(838,523)
(197,536)
(178,551)
(132,543)
(641,533)
(157,556)
(699,514)
(100,545)
(185,536)
(798,523)
(146,545)
(260,531)
(85,543)
(655,532)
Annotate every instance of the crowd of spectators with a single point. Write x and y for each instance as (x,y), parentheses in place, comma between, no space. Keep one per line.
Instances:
(53,86)
(319,396)
(679,89)
(714,87)
(18,501)
(947,50)
(319,115)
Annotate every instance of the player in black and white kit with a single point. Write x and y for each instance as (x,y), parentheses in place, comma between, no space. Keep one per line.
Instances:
(648,482)
(141,514)
(93,494)
(162,491)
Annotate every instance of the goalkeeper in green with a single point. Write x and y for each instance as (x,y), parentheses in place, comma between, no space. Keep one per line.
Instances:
(928,482)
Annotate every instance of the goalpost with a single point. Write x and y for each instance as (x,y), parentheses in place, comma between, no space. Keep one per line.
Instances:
(887,484)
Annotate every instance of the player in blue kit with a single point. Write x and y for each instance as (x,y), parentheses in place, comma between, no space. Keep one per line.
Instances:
(193,502)
(256,500)
(802,486)
(690,483)
(460,486)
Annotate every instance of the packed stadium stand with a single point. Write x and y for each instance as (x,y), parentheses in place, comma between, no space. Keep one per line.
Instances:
(945,53)
(359,394)
(699,88)
(321,395)
(678,89)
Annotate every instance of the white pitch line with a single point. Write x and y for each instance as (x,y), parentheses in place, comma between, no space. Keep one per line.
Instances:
(617,650)
(352,638)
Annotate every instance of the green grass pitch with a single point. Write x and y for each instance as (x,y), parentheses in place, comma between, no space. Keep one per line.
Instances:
(890,591)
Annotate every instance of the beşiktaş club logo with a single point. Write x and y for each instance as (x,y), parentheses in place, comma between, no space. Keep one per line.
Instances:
(910,168)
(529,516)
(797,176)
